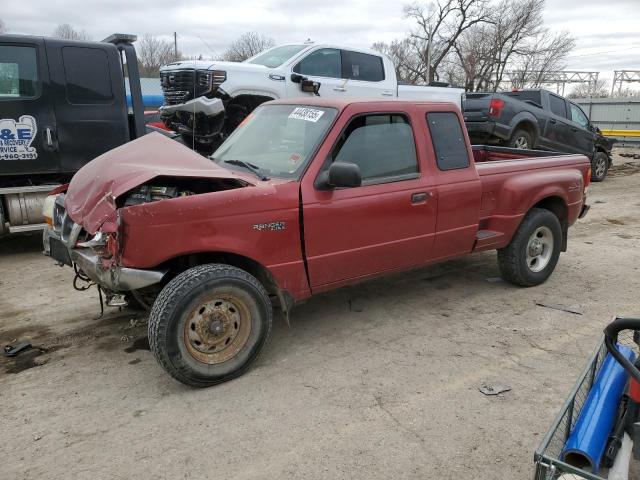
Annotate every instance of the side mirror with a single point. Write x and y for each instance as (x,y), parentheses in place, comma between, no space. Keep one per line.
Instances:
(306,85)
(310,86)
(340,175)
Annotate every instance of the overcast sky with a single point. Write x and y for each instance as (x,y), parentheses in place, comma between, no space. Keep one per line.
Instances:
(607,32)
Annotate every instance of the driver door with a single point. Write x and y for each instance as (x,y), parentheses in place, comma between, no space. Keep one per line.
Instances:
(323,65)
(583,138)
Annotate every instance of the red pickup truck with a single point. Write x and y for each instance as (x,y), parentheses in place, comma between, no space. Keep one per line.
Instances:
(302,198)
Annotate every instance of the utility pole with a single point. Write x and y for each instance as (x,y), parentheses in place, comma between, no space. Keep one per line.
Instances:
(175,46)
(429,54)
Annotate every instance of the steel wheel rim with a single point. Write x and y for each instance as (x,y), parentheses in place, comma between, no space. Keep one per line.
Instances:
(522,143)
(217,328)
(539,249)
(600,166)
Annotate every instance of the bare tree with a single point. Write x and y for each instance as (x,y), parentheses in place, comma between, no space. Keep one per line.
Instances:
(585,90)
(439,26)
(513,37)
(67,32)
(626,92)
(154,52)
(544,53)
(408,65)
(246,46)
(3,29)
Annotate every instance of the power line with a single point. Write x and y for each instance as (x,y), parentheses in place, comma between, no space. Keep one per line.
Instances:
(606,51)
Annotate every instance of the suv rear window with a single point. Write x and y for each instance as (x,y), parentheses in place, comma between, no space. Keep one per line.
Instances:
(361,66)
(18,72)
(448,140)
(87,74)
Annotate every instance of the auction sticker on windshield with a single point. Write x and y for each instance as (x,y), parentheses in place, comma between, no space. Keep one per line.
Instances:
(305,113)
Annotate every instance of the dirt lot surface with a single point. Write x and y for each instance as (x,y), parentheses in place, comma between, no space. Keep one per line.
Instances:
(375,381)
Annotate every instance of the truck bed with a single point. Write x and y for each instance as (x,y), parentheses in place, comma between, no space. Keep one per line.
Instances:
(504,172)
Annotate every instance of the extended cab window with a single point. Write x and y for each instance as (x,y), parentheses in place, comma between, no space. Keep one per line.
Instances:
(448,140)
(381,145)
(18,72)
(87,75)
(361,66)
(326,62)
(578,116)
(557,105)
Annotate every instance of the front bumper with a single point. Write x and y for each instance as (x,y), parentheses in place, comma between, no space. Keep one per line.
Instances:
(114,278)
(208,106)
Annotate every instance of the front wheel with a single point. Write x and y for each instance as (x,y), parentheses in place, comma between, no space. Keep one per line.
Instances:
(599,167)
(209,323)
(534,250)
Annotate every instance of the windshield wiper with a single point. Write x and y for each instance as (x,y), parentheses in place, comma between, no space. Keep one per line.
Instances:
(248,166)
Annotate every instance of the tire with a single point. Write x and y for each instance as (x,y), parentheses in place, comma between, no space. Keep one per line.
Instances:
(209,323)
(599,167)
(516,261)
(521,139)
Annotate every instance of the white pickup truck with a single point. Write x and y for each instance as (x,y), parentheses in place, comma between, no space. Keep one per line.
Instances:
(206,100)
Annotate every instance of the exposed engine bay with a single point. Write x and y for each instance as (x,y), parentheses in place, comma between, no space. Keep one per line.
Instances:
(164,188)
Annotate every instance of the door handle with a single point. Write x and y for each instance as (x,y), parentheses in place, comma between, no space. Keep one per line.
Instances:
(387,94)
(50,141)
(339,89)
(574,129)
(420,197)
(553,121)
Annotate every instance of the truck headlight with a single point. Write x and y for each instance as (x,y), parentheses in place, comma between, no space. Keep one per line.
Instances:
(211,79)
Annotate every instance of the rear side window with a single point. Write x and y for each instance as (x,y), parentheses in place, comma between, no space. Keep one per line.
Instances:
(557,105)
(448,140)
(381,145)
(87,75)
(326,62)
(361,66)
(18,72)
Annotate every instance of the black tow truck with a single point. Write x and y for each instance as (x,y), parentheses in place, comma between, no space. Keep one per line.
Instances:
(62,103)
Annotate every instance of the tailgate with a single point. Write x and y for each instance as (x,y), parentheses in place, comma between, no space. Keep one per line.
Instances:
(476,107)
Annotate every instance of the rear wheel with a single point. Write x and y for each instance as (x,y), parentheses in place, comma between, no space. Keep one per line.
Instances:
(521,139)
(534,250)
(209,323)
(599,167)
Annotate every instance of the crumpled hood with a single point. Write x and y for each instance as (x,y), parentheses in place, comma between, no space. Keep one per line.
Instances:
(90,199)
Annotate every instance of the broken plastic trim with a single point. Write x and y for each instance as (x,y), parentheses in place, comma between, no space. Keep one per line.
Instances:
(208,106)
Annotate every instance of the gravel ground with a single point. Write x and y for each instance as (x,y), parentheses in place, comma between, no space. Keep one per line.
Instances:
(374,381)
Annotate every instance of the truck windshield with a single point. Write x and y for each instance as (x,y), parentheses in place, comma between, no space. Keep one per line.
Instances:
(275,57)
(276,140)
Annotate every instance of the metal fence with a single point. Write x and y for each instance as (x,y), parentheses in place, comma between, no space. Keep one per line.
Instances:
(616,117)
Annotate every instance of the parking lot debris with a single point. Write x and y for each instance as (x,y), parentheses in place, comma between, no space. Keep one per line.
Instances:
(562,308)
(13,350)
(493,388)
